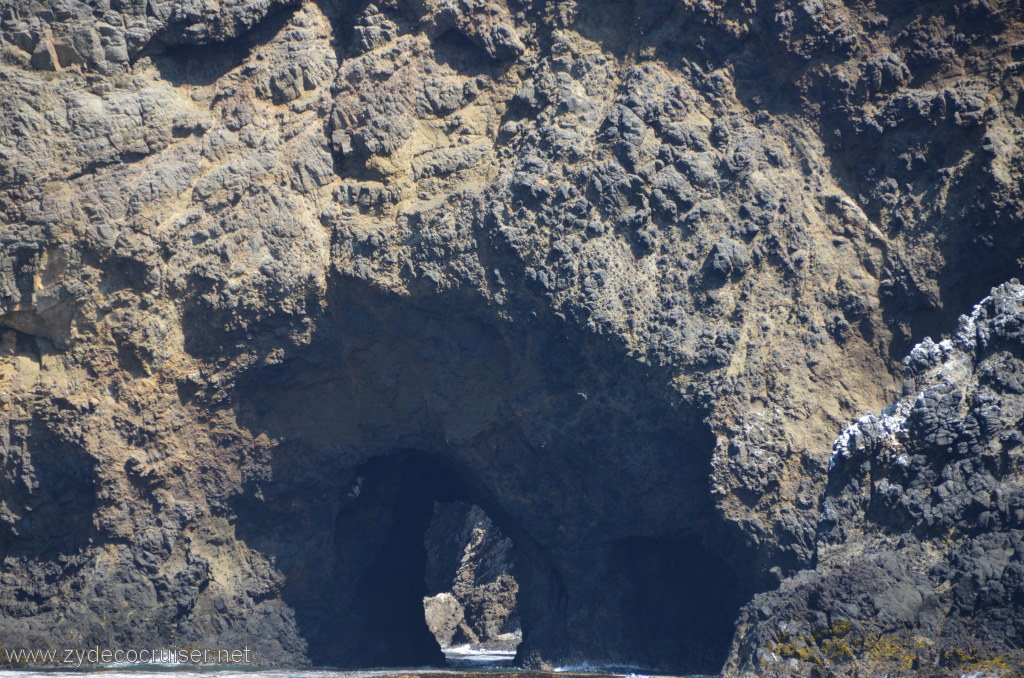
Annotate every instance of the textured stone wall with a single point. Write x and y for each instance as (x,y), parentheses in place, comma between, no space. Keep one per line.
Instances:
(275,276)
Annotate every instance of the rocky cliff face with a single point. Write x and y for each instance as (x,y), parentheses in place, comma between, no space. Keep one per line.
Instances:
(278,276)
(921,535)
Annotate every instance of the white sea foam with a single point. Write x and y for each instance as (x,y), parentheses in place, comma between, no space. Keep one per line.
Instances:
(470,655)
(620,670)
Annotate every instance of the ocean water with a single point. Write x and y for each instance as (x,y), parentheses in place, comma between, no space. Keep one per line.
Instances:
(462,664)
(473,666)
(468,657)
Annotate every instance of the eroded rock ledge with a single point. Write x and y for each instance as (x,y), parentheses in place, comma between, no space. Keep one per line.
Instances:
(275,277)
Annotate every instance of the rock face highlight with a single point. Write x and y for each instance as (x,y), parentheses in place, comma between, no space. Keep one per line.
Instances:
(277,277)
(471,580)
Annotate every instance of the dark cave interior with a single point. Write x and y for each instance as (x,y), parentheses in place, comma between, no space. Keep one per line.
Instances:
(400,403)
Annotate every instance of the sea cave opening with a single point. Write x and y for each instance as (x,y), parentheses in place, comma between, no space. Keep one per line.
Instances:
(471,603)
(390,563)
(400,416)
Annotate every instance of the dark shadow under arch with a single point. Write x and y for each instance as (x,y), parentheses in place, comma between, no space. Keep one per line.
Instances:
(584,457)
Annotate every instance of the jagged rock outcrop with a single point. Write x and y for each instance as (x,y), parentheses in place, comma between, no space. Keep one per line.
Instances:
(278,276)
(446,619)
(921,536)
(470,580)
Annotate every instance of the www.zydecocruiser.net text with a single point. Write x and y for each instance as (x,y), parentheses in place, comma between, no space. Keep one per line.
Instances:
(95,656)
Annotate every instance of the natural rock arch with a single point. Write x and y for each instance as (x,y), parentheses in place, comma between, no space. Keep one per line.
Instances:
(577,453)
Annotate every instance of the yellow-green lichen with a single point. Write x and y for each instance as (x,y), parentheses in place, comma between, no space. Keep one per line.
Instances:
(968,661)
(843,644)
(838,644)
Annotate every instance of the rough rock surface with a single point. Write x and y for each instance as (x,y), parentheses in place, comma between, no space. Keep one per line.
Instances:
(921,536)
(446,619)
(470,578)
(276,277)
